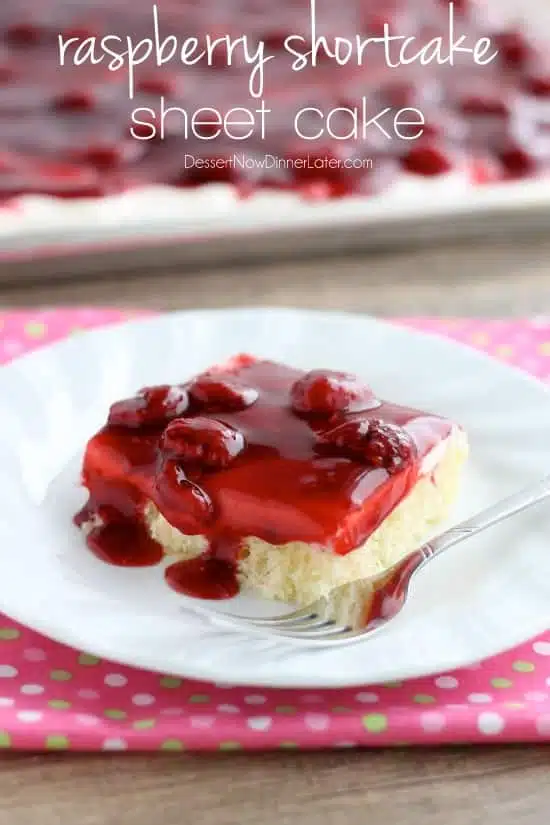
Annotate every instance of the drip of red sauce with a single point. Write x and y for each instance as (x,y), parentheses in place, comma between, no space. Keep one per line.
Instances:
(203,578)
(390,592)
(248,451)
(80,116)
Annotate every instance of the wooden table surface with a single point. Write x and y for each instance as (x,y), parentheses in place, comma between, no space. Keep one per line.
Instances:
(452,786)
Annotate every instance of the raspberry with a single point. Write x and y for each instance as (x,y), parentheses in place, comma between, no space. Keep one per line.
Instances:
(537,85)
(484,105)
(517,161)
(202,441)
(377,442)
(151,406)
(324,392)
(427,160)
(514,49)
(74,101)
(222,394)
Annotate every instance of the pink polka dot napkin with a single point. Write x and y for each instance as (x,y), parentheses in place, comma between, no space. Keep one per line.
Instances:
(53,697)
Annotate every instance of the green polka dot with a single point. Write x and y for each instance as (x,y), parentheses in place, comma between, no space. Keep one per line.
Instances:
(57,743)
(7,634)
(5,739)
(114,713)
(423,699)
(286,709)
(35,329)
(87,660)
(144,724)
(288,745)
(497,682)
(61,675)
(199,699)
(170,682)
(59,704)
(375,722)
(230,746)
(172,745)
(523,667)
(392,685)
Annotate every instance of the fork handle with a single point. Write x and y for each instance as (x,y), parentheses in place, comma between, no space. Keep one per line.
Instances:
(494,514)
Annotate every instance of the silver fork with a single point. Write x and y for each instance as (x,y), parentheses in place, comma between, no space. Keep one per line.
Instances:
(380,598)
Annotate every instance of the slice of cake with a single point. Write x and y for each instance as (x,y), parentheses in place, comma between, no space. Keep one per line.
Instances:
(261,476)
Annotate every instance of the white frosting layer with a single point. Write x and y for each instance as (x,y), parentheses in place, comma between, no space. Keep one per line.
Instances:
(215,209)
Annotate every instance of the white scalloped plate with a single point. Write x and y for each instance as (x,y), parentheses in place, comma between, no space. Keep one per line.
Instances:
(488,595)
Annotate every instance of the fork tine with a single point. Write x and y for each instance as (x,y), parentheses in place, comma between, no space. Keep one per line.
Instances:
(280,621)
(324,635)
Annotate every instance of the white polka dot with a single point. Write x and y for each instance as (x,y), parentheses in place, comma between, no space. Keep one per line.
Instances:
(114,745)
(479,698)
(491,724)
(259,723)
(542,648)
(548,681)
(367,697)
(32,690)
(542,724)
(6,701)
(86,719)
(143,699)
(202,722)
(446,682)
(432,721)
(255,699)
(317,721)
(536,696)
(115,680)
(30,716)
(34,654)
(8,671)
(228,709)
(86,693)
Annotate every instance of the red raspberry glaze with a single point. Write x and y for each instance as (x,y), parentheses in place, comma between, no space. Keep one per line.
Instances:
(262,471)
(151,406)
(325,392)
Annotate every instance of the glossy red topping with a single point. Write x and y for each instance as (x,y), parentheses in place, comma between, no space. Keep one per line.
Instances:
(151,406)
(514,47)
(174,491)
(427,159)
(82,114)
(217,394)
(266,470)
(378,443)
(202,442)
(325,392)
